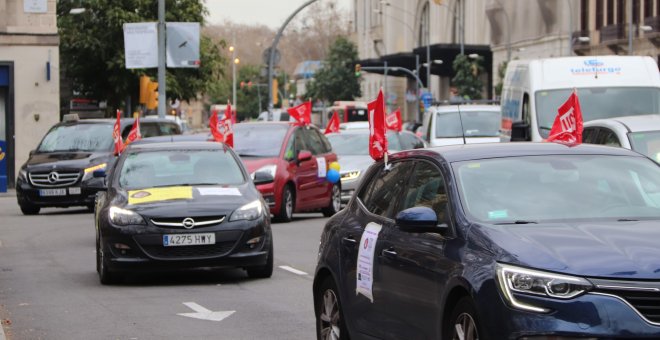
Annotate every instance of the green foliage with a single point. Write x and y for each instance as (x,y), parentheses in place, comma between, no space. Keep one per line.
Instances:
(248,98)
(467,78)
(92,49)
(501,72)
(336,79)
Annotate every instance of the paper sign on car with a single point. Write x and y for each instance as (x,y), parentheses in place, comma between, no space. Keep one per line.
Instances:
(365,260)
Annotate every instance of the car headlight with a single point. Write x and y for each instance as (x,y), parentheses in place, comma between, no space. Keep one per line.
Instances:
(349,175)
(121,216)
(270,170)
(514,279)
(89,172)
(22,175)
(250,211)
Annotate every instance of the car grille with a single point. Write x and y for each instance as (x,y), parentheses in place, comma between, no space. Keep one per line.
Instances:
(643,296)
(188,222)
(212,250)
(53,179)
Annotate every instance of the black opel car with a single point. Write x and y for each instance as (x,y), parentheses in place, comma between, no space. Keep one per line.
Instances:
(496,241)
(180,205)
(58,172)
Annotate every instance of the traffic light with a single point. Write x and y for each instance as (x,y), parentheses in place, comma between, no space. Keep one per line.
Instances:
(276,99)
(152,98)
(144,89)
(358,70)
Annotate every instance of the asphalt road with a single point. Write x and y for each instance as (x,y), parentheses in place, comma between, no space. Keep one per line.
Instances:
(49,288)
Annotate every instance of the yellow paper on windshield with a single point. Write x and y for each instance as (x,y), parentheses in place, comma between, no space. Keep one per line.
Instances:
(159,194)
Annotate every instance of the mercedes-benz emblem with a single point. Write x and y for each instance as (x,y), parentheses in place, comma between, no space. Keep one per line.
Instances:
(188,223)
(53,177)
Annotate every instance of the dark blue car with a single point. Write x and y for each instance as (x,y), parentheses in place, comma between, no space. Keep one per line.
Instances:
(495,241)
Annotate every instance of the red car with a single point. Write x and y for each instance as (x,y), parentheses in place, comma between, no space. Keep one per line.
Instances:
(288,164)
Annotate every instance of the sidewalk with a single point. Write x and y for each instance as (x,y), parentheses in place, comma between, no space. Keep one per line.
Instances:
(9,193)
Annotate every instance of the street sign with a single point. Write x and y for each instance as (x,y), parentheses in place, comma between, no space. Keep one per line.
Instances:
(426,99)
(183,44)
(276,58)
(141,45)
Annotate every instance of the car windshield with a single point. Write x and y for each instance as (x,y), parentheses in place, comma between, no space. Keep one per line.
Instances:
(259,140)
(148,169)
(597,103)
(351,144)
(78,137)
(559,187)
(475,123)
(647,143)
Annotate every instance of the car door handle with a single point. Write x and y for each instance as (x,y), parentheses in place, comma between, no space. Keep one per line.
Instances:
(349,239)
(389,252)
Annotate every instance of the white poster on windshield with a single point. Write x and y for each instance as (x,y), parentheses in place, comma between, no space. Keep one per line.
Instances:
(141,45)
(323,169)
(365,261)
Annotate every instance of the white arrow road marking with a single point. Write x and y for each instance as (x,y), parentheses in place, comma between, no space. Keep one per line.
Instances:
(205,314)
(293,270)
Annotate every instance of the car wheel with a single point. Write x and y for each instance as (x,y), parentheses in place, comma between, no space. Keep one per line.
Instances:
(265,271)
(335,202)
(329,314)
(463,323)
(29,209)
(105,276)
(287,206)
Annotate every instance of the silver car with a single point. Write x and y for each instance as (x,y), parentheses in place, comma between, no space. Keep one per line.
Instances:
(638,133)
(352,149)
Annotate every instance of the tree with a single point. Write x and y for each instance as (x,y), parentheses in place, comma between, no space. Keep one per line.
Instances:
(248,97)
(467,72)
(92,49)
(501,72)
(336,79)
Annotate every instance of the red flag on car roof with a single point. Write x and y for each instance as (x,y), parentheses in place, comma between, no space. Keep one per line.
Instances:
(302,113)
(222,131)
(393,121)
(226,126)
(377,139)
(333,124)
(116,135)
(567,127)
(134,134)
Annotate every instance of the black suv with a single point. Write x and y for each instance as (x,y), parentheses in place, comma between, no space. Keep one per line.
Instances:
(59,172)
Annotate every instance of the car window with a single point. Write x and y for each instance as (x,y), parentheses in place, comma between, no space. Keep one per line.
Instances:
(167,129)
(313,141)
(589,135)
(646,143)
(259,140)
(608,137)
(326,143)
(426,189)
(381,194)
(410,141)
(78,137)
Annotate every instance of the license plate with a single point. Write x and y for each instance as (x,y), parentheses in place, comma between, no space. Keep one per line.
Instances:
(188,239)
(74,191)
(52,192)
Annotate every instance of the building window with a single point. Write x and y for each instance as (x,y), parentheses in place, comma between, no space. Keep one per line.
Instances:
(648,8)
(600,9)
(610,12)
(636,11)
(584,15)
(620,11)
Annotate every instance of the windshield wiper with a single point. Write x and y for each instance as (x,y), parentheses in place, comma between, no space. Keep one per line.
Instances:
(252,155)
(518,222)
(627,220)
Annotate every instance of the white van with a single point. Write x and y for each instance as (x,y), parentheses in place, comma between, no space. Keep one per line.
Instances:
(458,124)
(607,86)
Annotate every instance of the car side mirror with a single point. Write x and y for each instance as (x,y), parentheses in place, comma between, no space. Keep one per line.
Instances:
(304,155)
(419,220)
(520,132)
(262,177)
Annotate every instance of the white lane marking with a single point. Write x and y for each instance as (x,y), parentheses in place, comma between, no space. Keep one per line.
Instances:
(205,314)
(293,270)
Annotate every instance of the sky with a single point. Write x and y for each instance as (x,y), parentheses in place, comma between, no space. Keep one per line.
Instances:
(271,13)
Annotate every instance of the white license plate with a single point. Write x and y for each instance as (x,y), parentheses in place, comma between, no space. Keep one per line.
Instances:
(174,240)
(52,192)
(74,191)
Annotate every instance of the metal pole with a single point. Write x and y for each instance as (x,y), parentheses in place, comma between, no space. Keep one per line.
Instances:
(259,95)
(381,68)
(233,71)
(417,111)
(630,27)
(161,58)
(271,56)
(428,49)
(385,94)
(462,25)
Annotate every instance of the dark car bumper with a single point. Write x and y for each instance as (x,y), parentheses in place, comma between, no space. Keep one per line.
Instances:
(27,194)
(140,248)
(271,196)
(590,316)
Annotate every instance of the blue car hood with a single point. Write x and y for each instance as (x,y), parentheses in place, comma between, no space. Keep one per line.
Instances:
(621,250)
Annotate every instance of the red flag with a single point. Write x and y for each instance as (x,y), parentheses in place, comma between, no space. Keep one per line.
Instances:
(377,139)
(116,135)
(302,113)
(226,126)
(134,134)
(222,131)
(567,127)
(333,124)
(393,121)
(213,124)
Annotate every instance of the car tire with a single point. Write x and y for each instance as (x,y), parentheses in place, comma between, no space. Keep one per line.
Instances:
(287,205)
(463,321)
(335,202)
(105,276)
(329,313)
(29,209)
(265,271)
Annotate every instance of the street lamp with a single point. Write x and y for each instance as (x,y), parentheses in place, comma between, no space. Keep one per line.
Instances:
(236,61)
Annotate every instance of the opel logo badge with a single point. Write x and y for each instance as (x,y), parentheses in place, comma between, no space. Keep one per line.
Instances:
(188,223)
(53,177)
